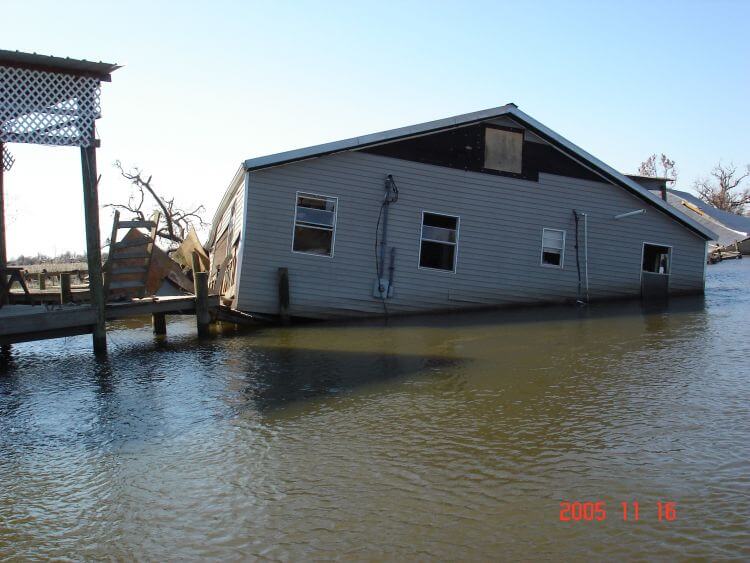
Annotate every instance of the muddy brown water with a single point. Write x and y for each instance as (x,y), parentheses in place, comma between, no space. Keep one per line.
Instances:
(451,437)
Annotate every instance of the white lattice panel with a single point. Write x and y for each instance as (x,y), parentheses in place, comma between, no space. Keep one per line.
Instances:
(47,108)
(6,159)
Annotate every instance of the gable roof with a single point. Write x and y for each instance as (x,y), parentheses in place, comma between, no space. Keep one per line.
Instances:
(509,110)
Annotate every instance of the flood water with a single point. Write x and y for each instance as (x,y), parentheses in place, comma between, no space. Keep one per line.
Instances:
(450,437)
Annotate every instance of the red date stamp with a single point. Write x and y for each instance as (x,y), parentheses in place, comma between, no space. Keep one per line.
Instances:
(596,511)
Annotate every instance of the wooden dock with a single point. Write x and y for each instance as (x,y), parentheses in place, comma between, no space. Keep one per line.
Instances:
(22,323)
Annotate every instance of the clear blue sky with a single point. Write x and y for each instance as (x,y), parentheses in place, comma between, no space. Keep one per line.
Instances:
(208,84)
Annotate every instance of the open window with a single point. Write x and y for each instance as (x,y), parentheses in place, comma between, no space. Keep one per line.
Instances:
(315,224)
(656,258)
(503,150)
(553,248)
(439,242)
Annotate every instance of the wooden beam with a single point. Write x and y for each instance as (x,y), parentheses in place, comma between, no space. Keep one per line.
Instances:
(93,241)
(202,315)
(137,224)
(283,276)
(183,305)
(38,322)
(159,323)
(45,334)
(65,294)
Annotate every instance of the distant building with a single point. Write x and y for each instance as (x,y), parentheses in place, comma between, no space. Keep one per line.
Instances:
(729,228)
(490,208)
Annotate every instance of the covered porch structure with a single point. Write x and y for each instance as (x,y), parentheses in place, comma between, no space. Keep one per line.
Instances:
(56,101)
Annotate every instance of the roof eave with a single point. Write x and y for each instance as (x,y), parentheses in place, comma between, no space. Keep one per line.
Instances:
(65,65)
(607,172)
(279,159)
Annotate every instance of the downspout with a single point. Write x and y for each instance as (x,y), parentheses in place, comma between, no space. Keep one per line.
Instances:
(583,279)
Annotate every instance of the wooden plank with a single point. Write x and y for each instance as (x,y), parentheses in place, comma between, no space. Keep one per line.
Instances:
(182,305)
(46,334)
(47,320)
(125,284)
(150,248)
(131,255)
(128,270)
(130,244)
(136,225)
(111,258)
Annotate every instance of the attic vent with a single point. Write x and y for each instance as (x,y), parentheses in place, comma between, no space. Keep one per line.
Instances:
(502,150)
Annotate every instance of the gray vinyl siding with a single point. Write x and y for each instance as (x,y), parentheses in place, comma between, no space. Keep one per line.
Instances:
(499,251)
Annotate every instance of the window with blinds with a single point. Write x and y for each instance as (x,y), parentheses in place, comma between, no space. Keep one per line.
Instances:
(553,248)
(439,242)
(315,224)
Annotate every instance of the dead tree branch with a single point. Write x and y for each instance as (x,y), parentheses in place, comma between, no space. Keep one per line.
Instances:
(177,221)
(719,190)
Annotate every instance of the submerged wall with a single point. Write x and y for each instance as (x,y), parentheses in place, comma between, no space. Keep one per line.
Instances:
(501,222)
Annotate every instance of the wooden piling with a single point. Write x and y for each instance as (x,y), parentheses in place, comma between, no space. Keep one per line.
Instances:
(283,276)
(159,323)
(202,315)
(66,296)
(93,242)
(3,256)
(42,279)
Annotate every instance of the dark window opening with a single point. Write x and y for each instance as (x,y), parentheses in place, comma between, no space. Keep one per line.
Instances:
(438,242)
(551,258)
(656,258)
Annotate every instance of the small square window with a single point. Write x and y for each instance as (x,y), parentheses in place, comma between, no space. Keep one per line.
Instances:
(315,224)
(553,248)
(439,242)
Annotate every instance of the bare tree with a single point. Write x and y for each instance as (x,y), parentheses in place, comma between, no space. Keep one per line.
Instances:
(177,222)
(663,168)
(719,190)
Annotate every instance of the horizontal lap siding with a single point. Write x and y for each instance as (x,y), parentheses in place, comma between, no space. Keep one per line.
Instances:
(500,238)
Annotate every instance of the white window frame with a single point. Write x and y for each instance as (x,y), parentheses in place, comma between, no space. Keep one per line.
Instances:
(455,244)
(669,257)
(335,222)
(562,250)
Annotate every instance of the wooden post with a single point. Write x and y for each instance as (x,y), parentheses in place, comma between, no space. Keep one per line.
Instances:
(93,240)
(202,316)
(42,279)
(284,295)
(159,323)
(65,295)
(3,255)
(196,263)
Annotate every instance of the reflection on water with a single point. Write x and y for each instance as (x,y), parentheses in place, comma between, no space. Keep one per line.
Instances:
(436,437)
